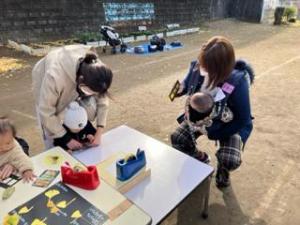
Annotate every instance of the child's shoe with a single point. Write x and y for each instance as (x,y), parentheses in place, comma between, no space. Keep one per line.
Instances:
(222,177)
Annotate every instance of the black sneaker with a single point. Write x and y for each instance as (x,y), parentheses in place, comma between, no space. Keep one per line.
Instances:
(202,157)
(222,178)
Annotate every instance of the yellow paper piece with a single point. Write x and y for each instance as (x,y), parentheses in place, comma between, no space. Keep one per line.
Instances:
(62,204)
(25,210)
(54,210)
(38,222)
(51,160)
(11,219)
(76,214)
(50,204)
(51,193)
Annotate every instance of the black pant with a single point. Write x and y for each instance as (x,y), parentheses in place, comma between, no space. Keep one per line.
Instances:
(228,154)
(23,144)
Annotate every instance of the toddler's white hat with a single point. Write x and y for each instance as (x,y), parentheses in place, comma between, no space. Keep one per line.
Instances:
(75,116)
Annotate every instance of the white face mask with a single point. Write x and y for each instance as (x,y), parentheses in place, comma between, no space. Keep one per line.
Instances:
(87,91)
(203,72)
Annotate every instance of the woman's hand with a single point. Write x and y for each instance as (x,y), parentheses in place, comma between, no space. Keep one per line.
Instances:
(180,90)
(6,171)
(97,137)
(74,145)
(28,176)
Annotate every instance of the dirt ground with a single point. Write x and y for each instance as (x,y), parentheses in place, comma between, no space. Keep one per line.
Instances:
(266,188)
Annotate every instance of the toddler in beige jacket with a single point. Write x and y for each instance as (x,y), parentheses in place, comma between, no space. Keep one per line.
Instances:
(12,156)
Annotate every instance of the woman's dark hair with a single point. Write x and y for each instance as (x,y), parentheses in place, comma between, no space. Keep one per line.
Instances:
(93,73)
(6,125)
(218,59)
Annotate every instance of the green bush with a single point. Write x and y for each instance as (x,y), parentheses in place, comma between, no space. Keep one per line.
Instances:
(145,32)
(88,36)
(290,12)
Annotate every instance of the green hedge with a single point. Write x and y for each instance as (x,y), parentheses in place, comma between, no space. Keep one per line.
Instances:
(88,36)
(290,12)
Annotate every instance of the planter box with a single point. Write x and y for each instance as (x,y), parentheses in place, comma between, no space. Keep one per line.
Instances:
(193,30)
(142,28)
(161,35)
(150,36)
(128,39)
(141,38)
(183,31)
(96,43)
(170,34)
(173,25)
(177,32)
(102,43)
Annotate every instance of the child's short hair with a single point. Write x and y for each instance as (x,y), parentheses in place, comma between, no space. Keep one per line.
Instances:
(202,102)
(6,125)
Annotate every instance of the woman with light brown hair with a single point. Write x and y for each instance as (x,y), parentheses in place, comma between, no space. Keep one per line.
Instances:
(216,72)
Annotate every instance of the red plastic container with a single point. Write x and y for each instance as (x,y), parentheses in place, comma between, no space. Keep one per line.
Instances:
(87,179)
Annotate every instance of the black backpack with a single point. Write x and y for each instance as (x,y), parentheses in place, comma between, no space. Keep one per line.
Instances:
(159,42)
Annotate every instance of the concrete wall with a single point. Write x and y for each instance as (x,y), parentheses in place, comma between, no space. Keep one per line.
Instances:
(220,9)
(248,10)
(32,20)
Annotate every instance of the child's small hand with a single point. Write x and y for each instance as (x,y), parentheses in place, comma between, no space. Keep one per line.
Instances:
(6,171)
(91,138)
(28,175)
(69,151)
(74,145)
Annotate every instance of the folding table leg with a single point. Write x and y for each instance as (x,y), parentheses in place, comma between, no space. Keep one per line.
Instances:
(206,197)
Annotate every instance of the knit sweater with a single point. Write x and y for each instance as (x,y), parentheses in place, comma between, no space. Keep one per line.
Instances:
(17,158)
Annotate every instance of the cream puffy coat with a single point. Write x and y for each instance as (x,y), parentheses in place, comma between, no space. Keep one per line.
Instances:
(17,158)
(54,88)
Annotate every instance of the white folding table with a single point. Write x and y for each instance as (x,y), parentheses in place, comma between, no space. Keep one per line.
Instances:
(174,175)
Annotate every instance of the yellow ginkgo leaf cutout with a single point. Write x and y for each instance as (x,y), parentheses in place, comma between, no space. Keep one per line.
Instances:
(51,193)
(62,204)
(11,219)
(50,204)
(76,214)
(51,160)
(38,222)
(54,210)
(25,210)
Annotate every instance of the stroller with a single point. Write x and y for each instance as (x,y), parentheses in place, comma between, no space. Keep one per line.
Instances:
(111,37)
